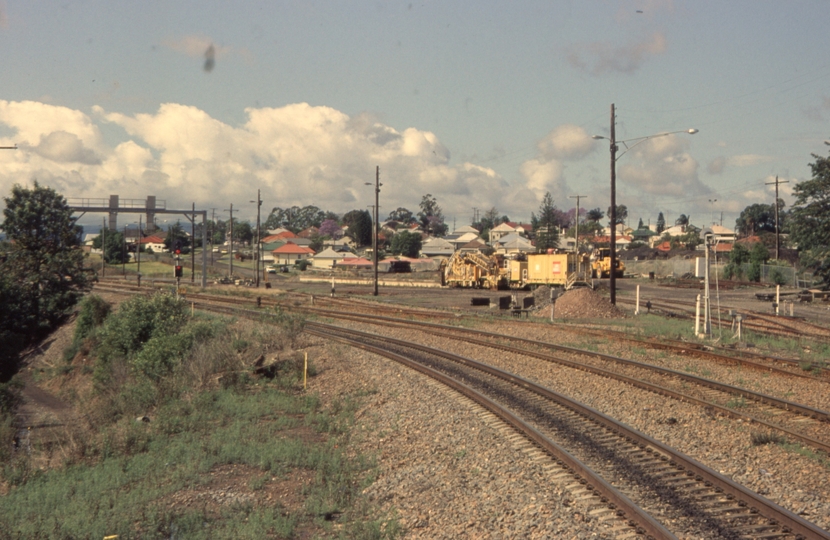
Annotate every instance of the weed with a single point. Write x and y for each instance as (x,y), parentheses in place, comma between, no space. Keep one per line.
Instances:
(737,402)
(762,438)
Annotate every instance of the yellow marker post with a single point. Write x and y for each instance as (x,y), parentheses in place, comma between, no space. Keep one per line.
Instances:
(305,369)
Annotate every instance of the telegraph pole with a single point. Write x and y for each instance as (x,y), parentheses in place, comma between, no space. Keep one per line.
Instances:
(377,216)
(777,237)
(258,202)
(104,247)
(193,244)
(230,250)
(613,216)
(576,233)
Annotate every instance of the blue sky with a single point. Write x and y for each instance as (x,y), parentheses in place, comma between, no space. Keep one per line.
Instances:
(482,104)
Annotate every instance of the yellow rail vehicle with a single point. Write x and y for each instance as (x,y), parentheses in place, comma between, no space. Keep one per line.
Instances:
(555,270)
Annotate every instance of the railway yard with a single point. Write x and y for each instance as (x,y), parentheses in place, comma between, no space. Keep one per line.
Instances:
(522,423)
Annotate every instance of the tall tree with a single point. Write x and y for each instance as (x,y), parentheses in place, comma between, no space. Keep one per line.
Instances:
(295,218)
(360,226)
(331,229)
(114,252)
(44,261)
(622,214)
(594,214)
(401,215)
(809,221)
(682,219)
(661,223)
(431,217)
(547,226)
(177,239)
(406,243)
(756,218)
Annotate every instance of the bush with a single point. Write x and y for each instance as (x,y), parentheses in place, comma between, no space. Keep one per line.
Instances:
(92,313)
(754,272)
(138,320)
(777,277)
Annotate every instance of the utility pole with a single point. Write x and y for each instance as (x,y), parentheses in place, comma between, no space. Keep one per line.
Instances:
(576,232)
(193,244)
(258,202)
(613,216)
(576,225)
(138,252)
(103,247)
(375,214)
(777,236)
(212,231)
(124,254)
(230,250)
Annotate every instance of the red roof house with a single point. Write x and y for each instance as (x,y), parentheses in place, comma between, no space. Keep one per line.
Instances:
(289,252)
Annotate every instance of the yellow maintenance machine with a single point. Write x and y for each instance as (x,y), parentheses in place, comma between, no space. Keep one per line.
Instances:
(601,264)
(473,270)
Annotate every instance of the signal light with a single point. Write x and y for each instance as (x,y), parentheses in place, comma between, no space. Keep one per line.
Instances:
(178,271)
(178,252)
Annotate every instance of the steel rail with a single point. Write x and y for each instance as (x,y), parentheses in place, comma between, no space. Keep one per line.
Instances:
(789,521)
(805,410)
(638,518)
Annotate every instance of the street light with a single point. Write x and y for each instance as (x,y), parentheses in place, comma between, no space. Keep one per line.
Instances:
(613,217)
(712,202)
(375,226)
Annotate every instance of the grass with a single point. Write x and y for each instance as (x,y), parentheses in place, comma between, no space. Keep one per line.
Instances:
(293,472)
(737,402)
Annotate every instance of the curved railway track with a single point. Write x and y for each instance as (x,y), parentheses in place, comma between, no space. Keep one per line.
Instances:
(807,425)
(656,477)
(689,497)
(813,425)
(749,359)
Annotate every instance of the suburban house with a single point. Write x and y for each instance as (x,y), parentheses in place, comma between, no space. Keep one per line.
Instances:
(459,239)
(154,243)
(328,258)
(514,244)
(289,253)
(437,247)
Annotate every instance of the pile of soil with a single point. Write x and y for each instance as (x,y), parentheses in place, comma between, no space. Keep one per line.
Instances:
(585,303)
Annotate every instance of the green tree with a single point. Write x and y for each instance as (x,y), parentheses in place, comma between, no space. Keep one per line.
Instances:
(406,243)
(43,267)
(622,214)
(243,232)
(295,218)
(547,226)
(401,215)
(682,219)
(756,218)
(661,223)
(809,220)
(114,251)
(360,226)
(595,214)
(431,216)
(177,239)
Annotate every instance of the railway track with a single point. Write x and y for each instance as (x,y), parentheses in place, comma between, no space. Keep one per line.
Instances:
(690,498)
(752,320)
(726,513)
(748,359)
(807,425)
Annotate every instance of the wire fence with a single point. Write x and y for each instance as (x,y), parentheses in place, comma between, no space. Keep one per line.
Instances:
(785,275)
